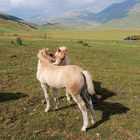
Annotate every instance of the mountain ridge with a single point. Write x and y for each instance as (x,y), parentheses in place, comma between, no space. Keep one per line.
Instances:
(106,18)
(117,10)
(9,22)
(119,15)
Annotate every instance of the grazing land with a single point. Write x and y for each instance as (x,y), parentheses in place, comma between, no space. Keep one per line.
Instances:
(115,68)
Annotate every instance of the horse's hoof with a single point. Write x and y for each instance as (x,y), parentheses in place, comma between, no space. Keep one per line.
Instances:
(56,108)
(47,109)
(83,129)
(92,122)
(69,100)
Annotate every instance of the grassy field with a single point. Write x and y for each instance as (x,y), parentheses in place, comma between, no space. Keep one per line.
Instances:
(53,33)
(114,65)
(9,26)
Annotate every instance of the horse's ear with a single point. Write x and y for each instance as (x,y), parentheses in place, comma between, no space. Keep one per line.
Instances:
(46,50)
(65,49)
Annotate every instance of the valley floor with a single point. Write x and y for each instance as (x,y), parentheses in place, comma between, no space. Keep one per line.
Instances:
(115,68)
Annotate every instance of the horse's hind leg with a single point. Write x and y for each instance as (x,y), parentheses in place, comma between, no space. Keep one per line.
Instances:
(82,106)
(87,99)
(56,98)
(93,115)
(46,90)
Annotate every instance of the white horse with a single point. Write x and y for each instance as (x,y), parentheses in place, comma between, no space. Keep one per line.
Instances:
(76,81)
(62,59)
(61,56)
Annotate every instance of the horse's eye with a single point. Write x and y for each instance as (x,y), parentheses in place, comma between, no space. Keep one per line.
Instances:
(51,54)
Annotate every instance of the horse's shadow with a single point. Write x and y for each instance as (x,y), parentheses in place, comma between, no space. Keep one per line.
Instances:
(6,96)
(108,108)
(102,102)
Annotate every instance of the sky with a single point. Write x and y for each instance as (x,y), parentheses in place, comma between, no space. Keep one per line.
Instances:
(28,8)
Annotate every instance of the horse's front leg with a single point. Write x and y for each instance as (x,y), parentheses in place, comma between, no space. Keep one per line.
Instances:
(68,97)
(56,97)
(45,88)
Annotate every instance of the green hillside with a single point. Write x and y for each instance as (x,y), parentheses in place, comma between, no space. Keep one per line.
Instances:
(13,24)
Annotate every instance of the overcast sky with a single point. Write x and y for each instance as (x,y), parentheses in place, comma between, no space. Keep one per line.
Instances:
(29,8)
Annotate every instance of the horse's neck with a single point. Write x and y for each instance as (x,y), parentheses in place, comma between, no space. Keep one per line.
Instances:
(65,61)
(42,64)
(39,65)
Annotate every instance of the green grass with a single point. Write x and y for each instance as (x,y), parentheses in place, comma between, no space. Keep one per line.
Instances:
(115,67)
(92,34)
(9,26)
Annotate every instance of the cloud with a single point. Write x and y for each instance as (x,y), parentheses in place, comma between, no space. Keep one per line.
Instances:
(16,3)
(20,3)
(28,8)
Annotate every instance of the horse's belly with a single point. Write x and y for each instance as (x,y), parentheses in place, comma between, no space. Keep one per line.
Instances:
(55,85)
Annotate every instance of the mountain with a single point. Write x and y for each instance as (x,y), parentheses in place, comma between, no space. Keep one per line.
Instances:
(9,17)
(115,11)
(69,18)
(131,20)
(120,15)
(39,19)
(12,23)
(75,18)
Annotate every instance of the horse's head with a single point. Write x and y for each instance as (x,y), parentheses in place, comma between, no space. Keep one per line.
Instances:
(60,55)
(46,55)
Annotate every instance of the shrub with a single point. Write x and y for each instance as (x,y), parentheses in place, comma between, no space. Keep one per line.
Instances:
(19,41)
(80,41)
(85,44)
(12,42)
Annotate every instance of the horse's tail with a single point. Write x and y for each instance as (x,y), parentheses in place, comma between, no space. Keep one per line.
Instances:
(89,84)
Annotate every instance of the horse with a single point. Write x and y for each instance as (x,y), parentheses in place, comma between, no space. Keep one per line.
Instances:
(62,59)
(78,83)
(61,56)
